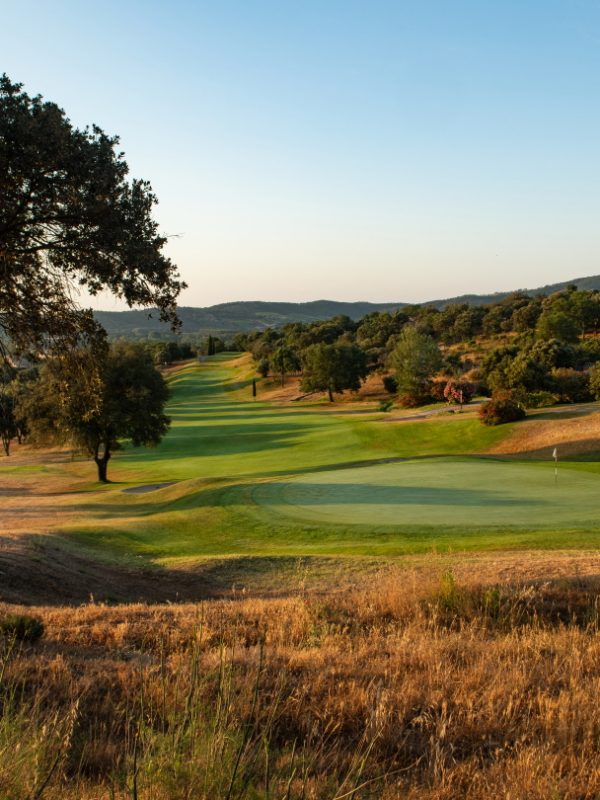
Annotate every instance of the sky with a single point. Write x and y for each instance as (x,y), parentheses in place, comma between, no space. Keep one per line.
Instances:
(344,149)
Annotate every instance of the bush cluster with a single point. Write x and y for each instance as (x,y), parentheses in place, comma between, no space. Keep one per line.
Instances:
(21,627)
(502,408)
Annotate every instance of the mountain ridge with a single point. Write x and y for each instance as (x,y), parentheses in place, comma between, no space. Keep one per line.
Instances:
(245,315)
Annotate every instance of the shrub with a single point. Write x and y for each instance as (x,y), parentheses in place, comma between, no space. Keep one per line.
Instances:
(540,399)
(437,387)
(571,386)
(390,384)
(594,374)
(407,400)
(459,392)
(502,408)
(386,405)
(263,367)
(21,627)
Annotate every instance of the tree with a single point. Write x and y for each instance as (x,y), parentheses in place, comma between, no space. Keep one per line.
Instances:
(8,423)
(594,376)
(69,217)
(557,324)
(415,358)
(93,399)
(333,368)
(285,360)
(458,392)
(263,367)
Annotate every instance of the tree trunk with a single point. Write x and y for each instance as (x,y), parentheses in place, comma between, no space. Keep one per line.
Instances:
(6,445)
(283,377)
(330,395)
(102,463)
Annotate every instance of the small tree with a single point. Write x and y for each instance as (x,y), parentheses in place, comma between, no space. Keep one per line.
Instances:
(557,324)
(415,358)
(333,368)
(285,360)
(458,392)
(95,399)
(263,367)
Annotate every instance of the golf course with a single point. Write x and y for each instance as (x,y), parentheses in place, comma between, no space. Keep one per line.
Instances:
(237,476)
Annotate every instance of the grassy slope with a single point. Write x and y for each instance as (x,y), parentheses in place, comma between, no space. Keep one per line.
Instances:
(242,466)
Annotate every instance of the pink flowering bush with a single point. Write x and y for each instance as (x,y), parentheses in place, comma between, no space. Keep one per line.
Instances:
(458,392)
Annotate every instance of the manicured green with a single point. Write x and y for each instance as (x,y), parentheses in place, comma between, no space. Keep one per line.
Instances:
(263,478)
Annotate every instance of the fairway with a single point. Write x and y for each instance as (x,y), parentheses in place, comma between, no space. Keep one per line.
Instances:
(237,476)
(473,493)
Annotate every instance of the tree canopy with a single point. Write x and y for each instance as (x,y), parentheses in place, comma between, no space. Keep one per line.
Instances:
(70,218)
(416,358)
(92,399)
(333,368)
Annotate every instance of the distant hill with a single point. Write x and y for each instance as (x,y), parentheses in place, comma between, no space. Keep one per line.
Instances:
(229,318)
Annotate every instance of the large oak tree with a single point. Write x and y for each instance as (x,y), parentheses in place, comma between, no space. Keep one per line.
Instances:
(70,217)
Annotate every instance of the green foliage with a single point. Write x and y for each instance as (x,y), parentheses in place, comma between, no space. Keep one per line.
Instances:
(571,386)
(333,368)
(263,367)
(390,384)
(539,399)
(67,215)
(285,360)
(502,408)
(8,421)
(458,392)
(415,358)
(557,324)
(594,381)
(21,627)
(95,398)
(170,352)
(386,405)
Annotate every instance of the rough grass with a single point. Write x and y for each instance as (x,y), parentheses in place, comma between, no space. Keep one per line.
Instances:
(418,688)
(575,434)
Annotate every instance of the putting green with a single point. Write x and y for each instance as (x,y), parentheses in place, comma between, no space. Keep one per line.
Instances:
(471,493)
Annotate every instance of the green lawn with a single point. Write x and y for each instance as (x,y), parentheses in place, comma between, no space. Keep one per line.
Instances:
(256,478)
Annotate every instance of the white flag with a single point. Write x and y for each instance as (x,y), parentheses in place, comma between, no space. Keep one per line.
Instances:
(555,454)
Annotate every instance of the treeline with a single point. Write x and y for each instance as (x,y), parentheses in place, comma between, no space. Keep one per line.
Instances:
(170,352)
(546,350)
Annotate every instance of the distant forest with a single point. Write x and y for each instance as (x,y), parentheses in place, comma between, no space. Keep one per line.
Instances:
(226,319)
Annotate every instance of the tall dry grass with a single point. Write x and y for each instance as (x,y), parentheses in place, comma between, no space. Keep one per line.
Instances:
(412,689)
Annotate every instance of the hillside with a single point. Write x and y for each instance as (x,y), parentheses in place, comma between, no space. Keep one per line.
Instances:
(249,315)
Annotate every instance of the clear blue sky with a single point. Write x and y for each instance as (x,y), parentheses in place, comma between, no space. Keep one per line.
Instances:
(372,150)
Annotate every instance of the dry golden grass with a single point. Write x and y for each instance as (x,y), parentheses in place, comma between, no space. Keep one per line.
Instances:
(577,435)
(419,687)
